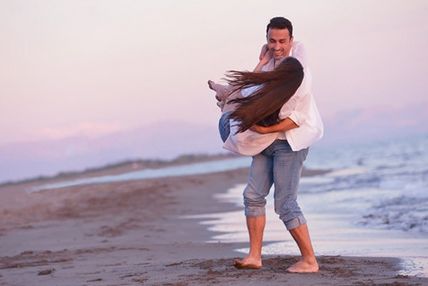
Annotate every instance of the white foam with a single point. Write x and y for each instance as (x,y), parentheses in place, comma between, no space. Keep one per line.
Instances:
(347,172)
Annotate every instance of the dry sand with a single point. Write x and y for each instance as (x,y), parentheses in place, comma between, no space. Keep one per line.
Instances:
(132,233)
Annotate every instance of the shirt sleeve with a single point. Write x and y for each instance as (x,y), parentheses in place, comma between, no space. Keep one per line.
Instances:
(299,114)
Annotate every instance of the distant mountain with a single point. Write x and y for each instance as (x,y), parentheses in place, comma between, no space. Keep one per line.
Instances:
(167,140)
(164,140)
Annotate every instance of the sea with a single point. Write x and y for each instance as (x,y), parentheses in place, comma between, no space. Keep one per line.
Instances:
(384,183)
(374,202)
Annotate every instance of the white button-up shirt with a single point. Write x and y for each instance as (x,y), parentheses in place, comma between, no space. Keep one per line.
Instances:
(300,108)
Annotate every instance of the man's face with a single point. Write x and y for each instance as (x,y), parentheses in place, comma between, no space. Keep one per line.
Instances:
(279,42)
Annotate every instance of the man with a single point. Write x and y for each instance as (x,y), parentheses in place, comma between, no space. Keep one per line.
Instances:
(299,129)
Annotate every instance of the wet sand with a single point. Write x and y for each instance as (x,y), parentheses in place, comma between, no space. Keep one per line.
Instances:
(134,233)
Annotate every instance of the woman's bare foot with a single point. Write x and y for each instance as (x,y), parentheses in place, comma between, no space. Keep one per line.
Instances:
(248,263)
(304,266)
(211,84)
(222,91)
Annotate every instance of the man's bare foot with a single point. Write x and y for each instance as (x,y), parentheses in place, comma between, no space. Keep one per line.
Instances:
(304,266)
(248,263)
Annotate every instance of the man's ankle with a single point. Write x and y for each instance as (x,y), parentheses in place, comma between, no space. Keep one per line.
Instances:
(310,259)
(254,257)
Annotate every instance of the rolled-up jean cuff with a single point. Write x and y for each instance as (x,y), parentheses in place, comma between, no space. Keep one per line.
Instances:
(295,222)
(255,212)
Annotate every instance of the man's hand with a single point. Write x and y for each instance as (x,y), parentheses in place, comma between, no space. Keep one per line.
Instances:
(259,129)
(282,126)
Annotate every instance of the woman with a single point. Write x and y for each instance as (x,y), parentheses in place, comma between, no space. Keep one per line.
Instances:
(275,121)
(269,92)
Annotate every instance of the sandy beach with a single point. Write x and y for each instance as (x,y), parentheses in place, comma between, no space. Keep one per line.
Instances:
(135,233)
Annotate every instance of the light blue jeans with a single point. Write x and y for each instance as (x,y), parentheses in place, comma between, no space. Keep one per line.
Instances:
(280,166)
(224,126)
(277,165)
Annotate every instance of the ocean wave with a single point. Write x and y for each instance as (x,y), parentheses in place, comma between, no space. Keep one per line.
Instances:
(402,213)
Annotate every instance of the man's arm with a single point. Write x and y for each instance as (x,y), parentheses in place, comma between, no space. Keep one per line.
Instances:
(282,126)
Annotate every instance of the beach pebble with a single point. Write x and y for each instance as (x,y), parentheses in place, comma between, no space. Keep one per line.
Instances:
(46,271)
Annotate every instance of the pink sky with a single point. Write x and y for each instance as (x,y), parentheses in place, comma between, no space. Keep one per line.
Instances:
(93,68)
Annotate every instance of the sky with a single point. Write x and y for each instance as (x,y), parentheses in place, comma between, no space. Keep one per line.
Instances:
(96,72)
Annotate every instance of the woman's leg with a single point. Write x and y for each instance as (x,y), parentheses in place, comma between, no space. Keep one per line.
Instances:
(222,91)
(287,168)
(224,126)
(224,122)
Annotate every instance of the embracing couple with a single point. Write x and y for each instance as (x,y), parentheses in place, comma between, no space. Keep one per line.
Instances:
(270,114)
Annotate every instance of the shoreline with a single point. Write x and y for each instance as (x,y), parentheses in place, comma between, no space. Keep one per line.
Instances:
(120,167)
(133,233)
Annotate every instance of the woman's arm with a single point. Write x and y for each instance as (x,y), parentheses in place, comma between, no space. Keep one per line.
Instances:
(282,126)
(264,57)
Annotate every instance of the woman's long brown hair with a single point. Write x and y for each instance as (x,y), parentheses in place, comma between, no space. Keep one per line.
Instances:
(276,88)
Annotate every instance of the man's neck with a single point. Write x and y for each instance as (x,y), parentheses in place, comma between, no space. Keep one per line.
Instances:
(276,62)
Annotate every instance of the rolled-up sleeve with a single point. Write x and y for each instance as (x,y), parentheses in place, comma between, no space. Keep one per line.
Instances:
(297,117)
(301,111)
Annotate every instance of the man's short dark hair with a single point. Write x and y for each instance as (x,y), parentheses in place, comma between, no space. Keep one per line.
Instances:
(280,23)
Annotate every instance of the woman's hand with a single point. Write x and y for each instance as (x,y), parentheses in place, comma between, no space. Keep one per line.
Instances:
(264,57)
(265,54)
